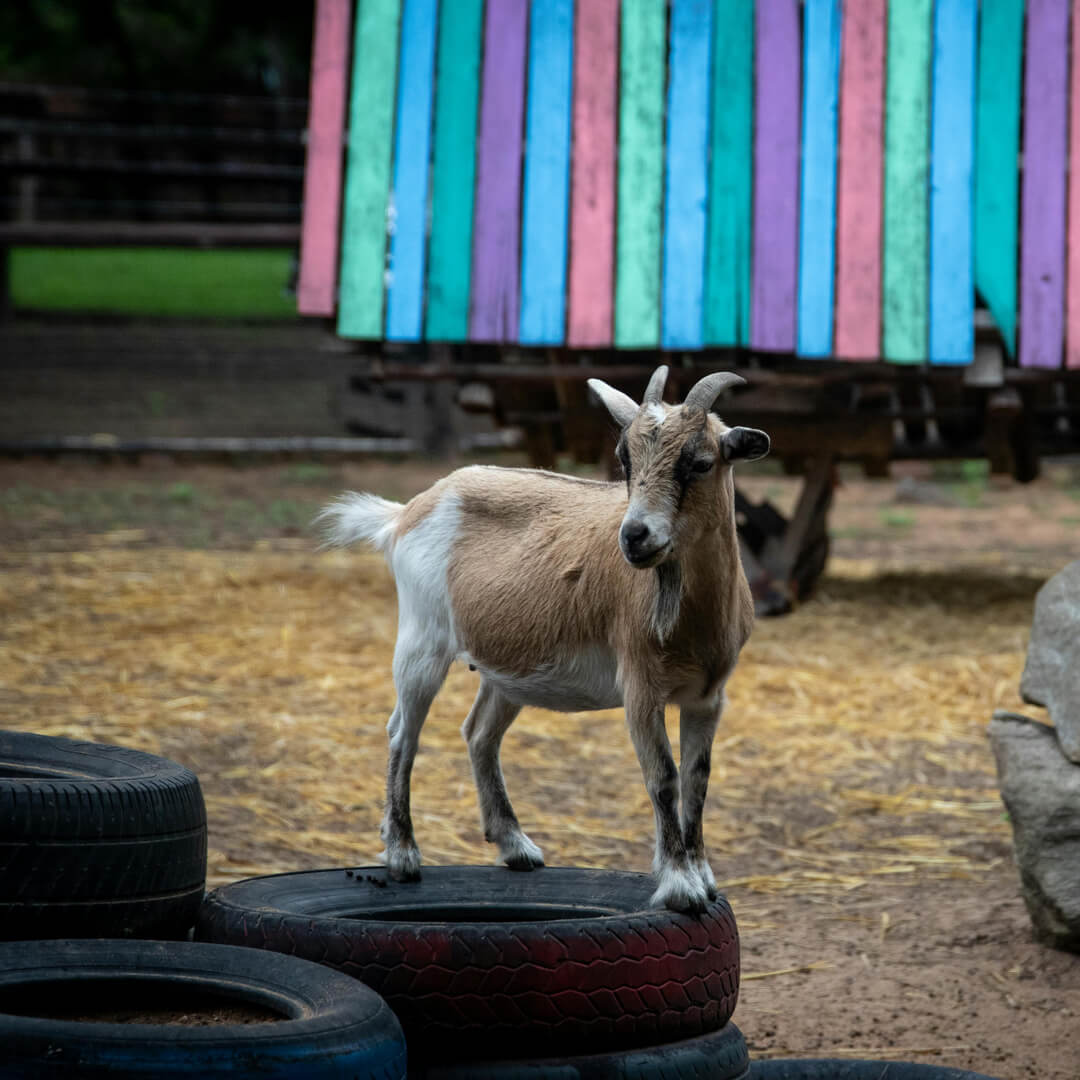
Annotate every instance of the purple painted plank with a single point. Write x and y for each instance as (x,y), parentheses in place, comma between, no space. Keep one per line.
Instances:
(776,175)
(496,238)
(1042,242)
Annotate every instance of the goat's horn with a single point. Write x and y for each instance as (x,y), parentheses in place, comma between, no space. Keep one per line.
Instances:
(623,409)
(707,390)
(654,392)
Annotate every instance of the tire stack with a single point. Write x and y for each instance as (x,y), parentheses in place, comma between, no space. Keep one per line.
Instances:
(102,847)
(556,973)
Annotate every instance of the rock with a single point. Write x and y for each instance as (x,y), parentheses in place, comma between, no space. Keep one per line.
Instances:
(1041,789)
(1052,674)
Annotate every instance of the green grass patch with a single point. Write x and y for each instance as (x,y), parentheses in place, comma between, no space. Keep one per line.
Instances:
(898,519)
(180,283)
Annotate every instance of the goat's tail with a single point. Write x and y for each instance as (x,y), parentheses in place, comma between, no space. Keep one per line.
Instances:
(358,516)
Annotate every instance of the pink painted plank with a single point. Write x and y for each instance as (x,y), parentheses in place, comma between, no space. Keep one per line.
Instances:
(1042,240)
(496,235)
(1072,326)
(776,175)
(592,174)
(316,291)
(858,237)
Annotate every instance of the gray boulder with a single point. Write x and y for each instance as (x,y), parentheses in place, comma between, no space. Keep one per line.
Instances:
(1052,674)
(1041,790)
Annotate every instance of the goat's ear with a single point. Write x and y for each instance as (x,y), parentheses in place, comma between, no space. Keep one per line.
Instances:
(744,444)
(623,409)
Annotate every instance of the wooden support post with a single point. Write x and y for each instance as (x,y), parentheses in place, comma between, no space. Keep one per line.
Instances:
(783,559)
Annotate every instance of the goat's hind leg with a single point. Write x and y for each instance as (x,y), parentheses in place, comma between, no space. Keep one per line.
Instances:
(483,730)
(418,674)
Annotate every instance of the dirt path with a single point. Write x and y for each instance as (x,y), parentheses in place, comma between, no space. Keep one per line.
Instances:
(853,817)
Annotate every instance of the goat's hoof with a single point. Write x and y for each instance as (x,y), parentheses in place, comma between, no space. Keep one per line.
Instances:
(520,853)
(681,890)
(704,871)
(402,864)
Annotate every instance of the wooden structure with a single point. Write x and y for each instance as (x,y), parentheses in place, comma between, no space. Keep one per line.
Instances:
(92,168)
(814,193)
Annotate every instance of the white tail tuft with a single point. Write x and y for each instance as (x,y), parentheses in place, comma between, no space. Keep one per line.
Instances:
(359,516)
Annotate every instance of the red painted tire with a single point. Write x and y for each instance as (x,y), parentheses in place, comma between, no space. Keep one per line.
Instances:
(484,962)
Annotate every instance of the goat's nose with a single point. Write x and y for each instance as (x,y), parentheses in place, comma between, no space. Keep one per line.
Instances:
(634,533)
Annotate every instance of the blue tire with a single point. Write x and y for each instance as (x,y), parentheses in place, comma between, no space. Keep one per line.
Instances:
(63,1005)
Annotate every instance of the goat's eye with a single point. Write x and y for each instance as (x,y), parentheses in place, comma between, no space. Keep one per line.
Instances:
(703,465)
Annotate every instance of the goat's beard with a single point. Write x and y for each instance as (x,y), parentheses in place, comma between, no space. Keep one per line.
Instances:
(668,598)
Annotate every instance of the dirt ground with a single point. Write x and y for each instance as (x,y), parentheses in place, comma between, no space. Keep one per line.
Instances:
(853,820)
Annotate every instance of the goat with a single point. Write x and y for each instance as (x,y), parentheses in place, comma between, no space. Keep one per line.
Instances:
(542,583)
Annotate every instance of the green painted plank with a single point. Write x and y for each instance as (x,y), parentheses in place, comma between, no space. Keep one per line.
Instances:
(905,278)
(641,174)
(997,149)
(457,87)
(727,271)
(367,175)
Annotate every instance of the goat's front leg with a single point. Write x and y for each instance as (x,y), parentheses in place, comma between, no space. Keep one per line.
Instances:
(483,730)
(697,727)
(680,887)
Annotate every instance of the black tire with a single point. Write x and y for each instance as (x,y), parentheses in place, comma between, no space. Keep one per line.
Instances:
(322,1024)
(720,1055)
(97,841)
(841,1069)
(482,962)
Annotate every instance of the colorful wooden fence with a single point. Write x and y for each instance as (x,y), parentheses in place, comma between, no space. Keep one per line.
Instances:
(831,178)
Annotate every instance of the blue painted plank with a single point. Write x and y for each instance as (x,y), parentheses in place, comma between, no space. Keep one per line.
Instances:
(686,179)
(546,193)
(952,165)
(412,147)
(817,218)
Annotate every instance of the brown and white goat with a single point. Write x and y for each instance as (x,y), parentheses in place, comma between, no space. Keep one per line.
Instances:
(574,594)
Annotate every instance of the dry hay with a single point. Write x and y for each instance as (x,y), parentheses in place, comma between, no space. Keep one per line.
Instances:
(853,750)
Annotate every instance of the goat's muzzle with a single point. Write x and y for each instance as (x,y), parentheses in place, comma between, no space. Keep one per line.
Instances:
(643,545)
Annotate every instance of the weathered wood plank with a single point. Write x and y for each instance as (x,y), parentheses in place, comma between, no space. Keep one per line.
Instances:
(412,151)
(776,175)
(997,149)
(859,209)
(641,174)
(686,175)
(453,168)
(817,216)
(546,198)
(952,157)
(1042,242)
(495,269)
(727,270)
(367,176)
(316,291)
(592,205)
(907,170)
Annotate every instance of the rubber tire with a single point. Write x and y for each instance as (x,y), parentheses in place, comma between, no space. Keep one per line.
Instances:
(97,841)
(336,1027)
(720,1055)
(841,1069)
(484,962)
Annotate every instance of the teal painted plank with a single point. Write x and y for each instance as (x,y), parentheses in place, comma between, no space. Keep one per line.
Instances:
(547,173)
(367,177)
(906,232)
(687,175)
(952,153)
(817,217)
(453,167)
(997,150)
(641,174)
(727,270)
(412,148)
